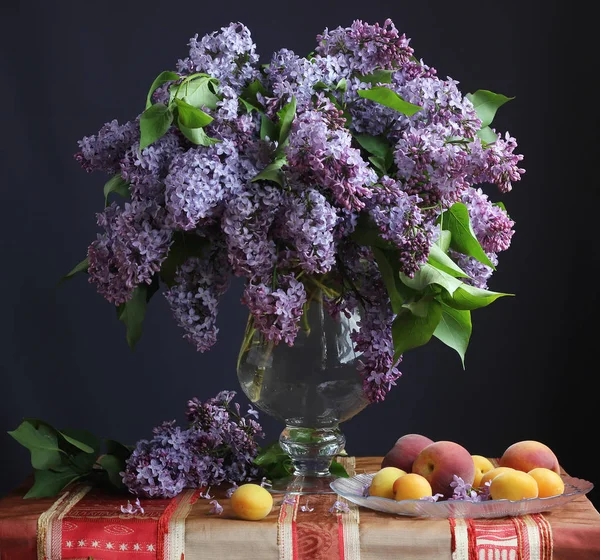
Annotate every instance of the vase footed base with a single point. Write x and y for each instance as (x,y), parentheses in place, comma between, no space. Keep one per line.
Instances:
(303,484)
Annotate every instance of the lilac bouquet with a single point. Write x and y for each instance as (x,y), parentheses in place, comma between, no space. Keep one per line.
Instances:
(354,170)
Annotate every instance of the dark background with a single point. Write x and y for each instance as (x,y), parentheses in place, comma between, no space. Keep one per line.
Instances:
(68,67)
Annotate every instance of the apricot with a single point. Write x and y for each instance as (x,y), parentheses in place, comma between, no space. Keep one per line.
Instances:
(527,455)
(382,484)
(549,483)
(412,486)
(490,475)
(405,451)
(482,465)
(251,502)
(440,461)
(513,485)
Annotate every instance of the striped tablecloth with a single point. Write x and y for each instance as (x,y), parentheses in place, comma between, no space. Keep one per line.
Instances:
(82,523)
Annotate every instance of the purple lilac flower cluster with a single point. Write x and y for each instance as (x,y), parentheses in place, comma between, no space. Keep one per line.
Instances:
(218,446)
(280,231)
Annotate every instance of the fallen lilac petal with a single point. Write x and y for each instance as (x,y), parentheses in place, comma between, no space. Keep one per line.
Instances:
(264,483)
(206,494)
(216,508)
(231,490)
(339,506)
(306,507)
(366,490)
(289,500)
(139,506)
(433,498)
(252,412)
(128,508)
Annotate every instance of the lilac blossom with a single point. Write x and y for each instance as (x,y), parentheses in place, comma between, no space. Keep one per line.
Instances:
(276,310)
(103,151)
(218,446)
(339,507)
(131,250)
(465,492)
(306,508)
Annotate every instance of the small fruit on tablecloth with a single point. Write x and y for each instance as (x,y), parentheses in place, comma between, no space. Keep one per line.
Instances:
(490,475)
(549,483)
(529,454)
(405,451)
(482,465)
(251,502)
(513,485)
(440,461)
(412,486)
(382,484)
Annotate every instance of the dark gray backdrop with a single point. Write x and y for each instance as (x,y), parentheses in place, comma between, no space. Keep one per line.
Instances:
(69,67)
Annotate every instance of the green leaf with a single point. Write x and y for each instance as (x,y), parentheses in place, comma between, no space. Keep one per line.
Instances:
(486,104)
(439,259)
(385,96)
(184,246)
(249,95)
(377,145)
(286,116)
(268,129)
(117,185)
(337,469)
(415,326)
(82,463)
(487,135)
(197,92)
(132,314)
(379,164)
(161,79)
(191,116)
(377,77)
(456,221)
(428,275)
(113,465)
(49,483)
(197,135)
(42,443)
(389,273)
(154,123)
(272,173)
(443,241)
(454,330)
(342,85)
(81,267)
(81,439)
(117,449)
(469,297)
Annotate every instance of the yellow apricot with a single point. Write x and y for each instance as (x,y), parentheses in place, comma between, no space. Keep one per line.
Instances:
(513,485)
(549,483)
(251,502)
(490,475)
(412,486)
(482,466)
(382,484)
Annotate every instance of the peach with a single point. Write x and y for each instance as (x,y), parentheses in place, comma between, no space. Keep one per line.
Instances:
(412,486)
(529,454)
(513,485)
(549,483)
(490,475)
(251,502)
(405,451)
(482,465)
(440,461)
(382,484)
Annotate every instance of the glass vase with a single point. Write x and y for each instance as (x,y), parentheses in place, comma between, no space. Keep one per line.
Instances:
(311,387)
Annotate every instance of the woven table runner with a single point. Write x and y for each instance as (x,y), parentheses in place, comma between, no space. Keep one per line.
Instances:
(84,523)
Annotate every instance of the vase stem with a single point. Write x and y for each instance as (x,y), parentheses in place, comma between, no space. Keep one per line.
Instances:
(312,449)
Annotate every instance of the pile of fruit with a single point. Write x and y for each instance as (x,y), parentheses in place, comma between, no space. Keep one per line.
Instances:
(420,468)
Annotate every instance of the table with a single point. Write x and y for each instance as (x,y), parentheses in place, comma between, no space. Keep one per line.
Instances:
(84,523)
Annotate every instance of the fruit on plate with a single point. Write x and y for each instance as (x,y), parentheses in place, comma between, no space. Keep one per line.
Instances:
(440,461)
(382,484)
(482,465)
(405,451)
(490,475)
(529,454)
(513,485)
(251,502)
(411,486)
(549,483)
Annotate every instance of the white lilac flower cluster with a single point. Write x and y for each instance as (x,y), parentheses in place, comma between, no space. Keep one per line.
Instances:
(279,199)
(218,446)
